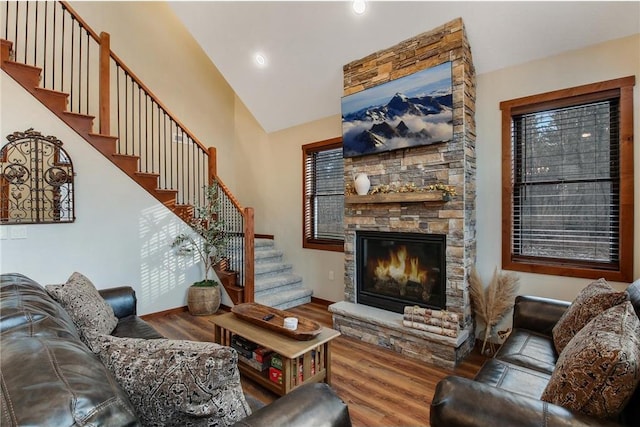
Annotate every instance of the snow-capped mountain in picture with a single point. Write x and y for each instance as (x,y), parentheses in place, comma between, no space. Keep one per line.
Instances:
(408,112)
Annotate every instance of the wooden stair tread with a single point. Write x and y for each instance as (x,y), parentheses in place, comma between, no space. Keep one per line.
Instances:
(12,63)
(99,135)
(79,115)
(52,92)
(55,100)
(147,174)
(125,156)
(29,77)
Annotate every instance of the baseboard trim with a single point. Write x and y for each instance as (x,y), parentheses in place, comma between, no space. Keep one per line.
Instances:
(175,311)
(264,236)
(321,301)
(165,313)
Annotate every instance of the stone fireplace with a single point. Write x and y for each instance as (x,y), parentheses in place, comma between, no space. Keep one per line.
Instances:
(440,280)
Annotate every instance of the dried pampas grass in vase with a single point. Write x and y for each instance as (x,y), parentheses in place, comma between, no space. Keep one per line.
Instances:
(490,304)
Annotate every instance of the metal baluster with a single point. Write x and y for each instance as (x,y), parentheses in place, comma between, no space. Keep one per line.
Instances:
(118,107)
(188,175)
(26,29)
(44,62)
(199,183)
(139,122)
(6,22)
(133,113)
(88,68)
(80,68)
(126,112)
(73,48)
(35,39)
(53,48)
(62,58)
(164,130)
(15,33)
(171,151)
(152,134)
(181,183)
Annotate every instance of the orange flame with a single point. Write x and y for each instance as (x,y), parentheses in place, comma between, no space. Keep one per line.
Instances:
(400,267)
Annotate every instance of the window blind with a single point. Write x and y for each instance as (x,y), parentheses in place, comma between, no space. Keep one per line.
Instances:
(566,183)
(324,195)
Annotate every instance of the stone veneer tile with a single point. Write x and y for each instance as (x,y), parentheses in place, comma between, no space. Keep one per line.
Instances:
(452,163)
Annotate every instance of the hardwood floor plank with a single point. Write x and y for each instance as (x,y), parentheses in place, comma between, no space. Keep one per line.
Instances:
(381,387)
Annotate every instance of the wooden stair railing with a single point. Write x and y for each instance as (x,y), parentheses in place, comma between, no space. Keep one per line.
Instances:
(150,144)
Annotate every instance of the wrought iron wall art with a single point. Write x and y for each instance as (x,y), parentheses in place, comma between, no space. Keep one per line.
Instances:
(36,180)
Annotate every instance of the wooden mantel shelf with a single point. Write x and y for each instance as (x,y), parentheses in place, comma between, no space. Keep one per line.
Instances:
(417,197)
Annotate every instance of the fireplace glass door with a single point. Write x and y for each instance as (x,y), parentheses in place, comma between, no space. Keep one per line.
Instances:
(399,269)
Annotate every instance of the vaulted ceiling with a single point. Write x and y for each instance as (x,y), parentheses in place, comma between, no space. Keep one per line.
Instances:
(306,43)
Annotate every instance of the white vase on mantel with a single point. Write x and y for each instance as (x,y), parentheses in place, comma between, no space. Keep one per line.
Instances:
(362,184)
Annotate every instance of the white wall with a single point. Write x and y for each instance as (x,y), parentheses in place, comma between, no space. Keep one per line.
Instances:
(610,60)
(156,46)
(271,182)
(121,236)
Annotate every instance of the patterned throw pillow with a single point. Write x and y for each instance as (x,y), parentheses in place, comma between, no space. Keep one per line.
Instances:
(177,383)
(599,369)
(590,302)
(91,314)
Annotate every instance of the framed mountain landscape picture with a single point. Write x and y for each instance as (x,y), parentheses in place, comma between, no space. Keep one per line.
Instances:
(407,112)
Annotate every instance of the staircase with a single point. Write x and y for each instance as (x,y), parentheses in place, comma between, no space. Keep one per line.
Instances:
(29,78)
(146,160)
(275,283)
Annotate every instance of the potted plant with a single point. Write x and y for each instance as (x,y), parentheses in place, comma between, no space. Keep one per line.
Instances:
(208,241)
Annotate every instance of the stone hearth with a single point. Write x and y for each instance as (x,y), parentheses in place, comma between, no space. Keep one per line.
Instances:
(452,163)
(384,329)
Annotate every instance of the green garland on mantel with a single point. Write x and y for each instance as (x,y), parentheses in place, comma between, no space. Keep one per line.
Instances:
(410,187)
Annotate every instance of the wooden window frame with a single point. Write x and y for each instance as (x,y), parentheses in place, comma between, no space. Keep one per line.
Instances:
(308,241)
(622,88)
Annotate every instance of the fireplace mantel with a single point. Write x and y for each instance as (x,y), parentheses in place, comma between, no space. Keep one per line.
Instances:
(417,197)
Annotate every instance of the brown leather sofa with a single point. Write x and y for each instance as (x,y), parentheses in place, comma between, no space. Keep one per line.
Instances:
(507,389)
(50,378)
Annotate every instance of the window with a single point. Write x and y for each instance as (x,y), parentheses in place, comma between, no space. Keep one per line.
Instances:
(567,180)
(323,201)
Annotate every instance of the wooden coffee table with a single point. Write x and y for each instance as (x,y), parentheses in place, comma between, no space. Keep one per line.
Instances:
(296,355)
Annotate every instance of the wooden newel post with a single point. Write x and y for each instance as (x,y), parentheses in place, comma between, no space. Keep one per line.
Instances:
(105,81)
(249,255)
(213,165)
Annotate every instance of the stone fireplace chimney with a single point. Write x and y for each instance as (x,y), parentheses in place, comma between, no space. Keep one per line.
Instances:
(451,163)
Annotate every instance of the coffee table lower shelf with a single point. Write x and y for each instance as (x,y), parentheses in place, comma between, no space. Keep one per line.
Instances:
(302,361)
(262,378)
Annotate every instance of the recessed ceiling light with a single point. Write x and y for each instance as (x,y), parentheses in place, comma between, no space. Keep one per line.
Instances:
(260,60)
(359,6)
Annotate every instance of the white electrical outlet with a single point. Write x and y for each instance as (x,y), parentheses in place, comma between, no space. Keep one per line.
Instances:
(19,232)
(331,277)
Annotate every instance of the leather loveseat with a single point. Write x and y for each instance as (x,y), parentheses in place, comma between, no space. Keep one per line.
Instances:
(51,378)
(507,389)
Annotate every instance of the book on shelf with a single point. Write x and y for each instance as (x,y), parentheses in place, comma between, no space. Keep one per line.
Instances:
(262,354)
(242,351)
(258,366)
(243,343)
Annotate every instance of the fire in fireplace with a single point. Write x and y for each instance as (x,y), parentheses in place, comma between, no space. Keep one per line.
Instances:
(394,270)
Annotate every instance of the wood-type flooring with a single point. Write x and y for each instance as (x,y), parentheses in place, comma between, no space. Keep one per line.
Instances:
(381,387)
